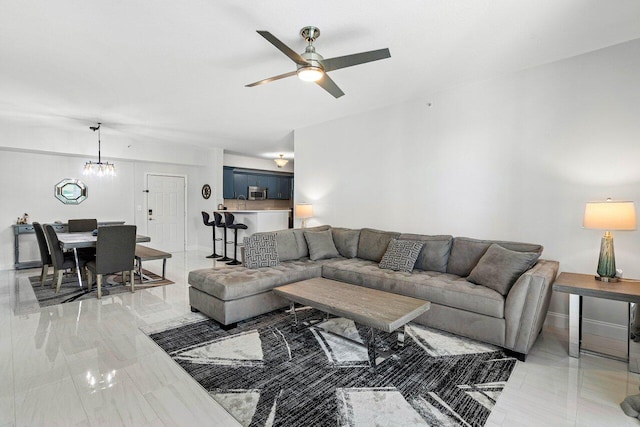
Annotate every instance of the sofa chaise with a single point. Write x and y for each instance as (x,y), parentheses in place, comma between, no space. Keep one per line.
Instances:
(474,286)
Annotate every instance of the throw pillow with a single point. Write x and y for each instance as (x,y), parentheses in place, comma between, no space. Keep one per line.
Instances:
(499,268)
(435,252)
(260,250)
(321,245)
(466,252)
(346,241)
(401,255)
(373,243)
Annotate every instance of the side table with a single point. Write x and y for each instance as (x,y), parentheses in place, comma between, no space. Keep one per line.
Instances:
(579,285)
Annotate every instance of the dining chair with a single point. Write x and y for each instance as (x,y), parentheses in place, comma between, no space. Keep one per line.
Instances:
(83,225)
(77,225)
(61,260)
(115,253)
(45,255)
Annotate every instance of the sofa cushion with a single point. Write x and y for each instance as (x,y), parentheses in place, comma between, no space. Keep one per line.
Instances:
(320,245)
(260,251)
(499,268)
(401,255)
(466,252)
(291,242)
(233,282)
(373,243)
(346,241)
(440,288)
(435,252)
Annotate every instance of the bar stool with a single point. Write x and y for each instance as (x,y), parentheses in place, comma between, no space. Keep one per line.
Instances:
(228,219)
(218,223)
(207,221)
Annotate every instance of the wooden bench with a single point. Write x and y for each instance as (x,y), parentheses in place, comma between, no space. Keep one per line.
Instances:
(144,253)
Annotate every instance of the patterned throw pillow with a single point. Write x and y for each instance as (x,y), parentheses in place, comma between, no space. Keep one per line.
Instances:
(401,255)
(260,250)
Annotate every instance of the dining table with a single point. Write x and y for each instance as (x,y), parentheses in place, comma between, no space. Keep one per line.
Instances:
(85,239)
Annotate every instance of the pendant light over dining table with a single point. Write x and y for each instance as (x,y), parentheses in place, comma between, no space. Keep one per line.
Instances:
(99,168)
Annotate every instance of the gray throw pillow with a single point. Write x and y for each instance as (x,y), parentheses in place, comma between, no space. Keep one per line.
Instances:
(401,255)
(321,245)
(346,241)
(466,252)
(435,253)
(260,250)
(374,243)
(499,268)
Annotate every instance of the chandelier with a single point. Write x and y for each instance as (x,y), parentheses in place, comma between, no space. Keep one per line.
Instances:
(99,168)
(281,161)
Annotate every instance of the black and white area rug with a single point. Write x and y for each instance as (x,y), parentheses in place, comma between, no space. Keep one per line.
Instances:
(265,373)
(70,290)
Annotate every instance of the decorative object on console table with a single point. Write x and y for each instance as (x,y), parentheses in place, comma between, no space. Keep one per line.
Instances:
(304,211)
(23,220)
(609,215)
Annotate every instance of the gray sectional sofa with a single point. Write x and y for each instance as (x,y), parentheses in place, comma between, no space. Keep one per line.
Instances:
(510,317)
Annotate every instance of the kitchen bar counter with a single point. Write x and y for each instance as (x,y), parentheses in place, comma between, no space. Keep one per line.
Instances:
(258,220)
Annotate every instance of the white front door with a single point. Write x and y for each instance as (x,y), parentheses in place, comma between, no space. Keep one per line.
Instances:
(165,212)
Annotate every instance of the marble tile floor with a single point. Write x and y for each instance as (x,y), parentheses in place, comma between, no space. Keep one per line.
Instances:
(88,363)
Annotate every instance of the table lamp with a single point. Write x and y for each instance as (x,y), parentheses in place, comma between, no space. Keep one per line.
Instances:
(304,211)
(609,215)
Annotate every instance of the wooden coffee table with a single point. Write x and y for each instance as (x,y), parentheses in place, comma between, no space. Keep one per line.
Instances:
(378,310)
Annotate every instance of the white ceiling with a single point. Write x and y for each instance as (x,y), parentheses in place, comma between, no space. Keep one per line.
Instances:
(175,71)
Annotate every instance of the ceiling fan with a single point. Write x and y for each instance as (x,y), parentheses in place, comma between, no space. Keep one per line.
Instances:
(312,67)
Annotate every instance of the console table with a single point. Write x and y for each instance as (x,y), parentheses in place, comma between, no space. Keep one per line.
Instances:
(22,229)
(579,285)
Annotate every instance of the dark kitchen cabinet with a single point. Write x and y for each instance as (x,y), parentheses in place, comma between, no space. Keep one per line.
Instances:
(241,184)
(236,183)
(263,181)
(252,180)
(228,184)
(279,187)
(285,187)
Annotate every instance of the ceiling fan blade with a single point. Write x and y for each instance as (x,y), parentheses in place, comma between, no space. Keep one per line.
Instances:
(272,79)
(355,59)
(330,86)
(295,57)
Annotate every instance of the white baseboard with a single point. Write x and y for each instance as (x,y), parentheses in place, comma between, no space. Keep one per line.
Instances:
(557,320)
(589,326)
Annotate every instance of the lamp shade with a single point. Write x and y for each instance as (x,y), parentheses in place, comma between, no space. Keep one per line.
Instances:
(304,210)
(610,215)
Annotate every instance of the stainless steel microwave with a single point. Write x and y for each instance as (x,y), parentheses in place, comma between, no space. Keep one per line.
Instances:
(257,193)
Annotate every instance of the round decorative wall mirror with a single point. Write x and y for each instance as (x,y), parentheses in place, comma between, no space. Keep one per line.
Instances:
(71,191)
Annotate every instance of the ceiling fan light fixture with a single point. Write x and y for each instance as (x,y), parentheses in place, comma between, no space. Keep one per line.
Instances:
(310,73)
(281,161)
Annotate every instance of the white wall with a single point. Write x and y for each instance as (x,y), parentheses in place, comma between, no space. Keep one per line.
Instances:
(33,160)
(255,163)
(513,158)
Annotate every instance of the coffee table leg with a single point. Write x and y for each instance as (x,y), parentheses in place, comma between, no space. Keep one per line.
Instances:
(401,336)
(371,347)
(292,309)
